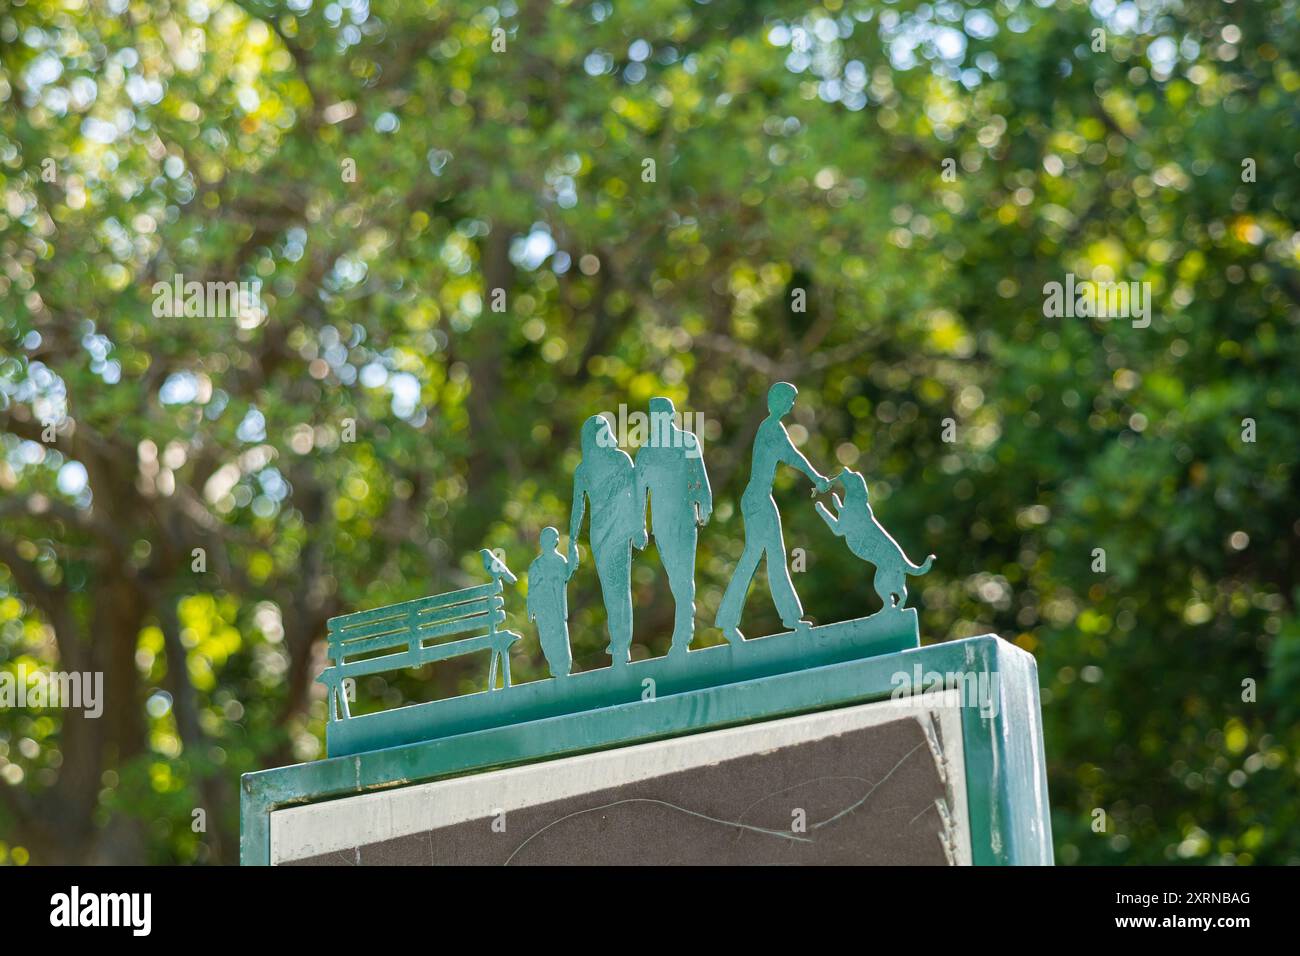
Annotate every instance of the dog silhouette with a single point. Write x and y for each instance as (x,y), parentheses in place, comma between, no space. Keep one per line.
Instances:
(866,538)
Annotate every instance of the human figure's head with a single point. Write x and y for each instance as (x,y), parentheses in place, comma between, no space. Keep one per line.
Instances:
(662,406)
(662,422)
(596,436)
(549,538)
(780,398)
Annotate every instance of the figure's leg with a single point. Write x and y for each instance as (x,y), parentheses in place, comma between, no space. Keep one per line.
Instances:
(614,568)
(555,646)
(733,599)
(679,562)
(778,576)
(565,647)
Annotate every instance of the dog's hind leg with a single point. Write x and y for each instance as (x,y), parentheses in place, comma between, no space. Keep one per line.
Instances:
(892,587)
(881,586)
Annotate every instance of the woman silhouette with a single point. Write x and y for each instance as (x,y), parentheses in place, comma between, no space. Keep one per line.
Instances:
(606,477)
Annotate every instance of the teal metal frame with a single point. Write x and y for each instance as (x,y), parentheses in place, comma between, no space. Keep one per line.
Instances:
(723,664)
(1006,780)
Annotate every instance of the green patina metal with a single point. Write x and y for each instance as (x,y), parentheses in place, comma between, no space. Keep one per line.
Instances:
(763,538)
(606,478)
(671,478)
(548,602)
(1006,782)
(855,522)
(717,666)
(406,631)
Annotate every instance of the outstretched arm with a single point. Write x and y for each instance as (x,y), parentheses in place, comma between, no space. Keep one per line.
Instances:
(795,459)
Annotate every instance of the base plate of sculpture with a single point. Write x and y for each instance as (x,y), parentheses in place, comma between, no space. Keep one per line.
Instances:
(857,760)
(882,633)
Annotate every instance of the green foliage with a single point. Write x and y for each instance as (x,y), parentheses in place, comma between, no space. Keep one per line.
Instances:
(796,146)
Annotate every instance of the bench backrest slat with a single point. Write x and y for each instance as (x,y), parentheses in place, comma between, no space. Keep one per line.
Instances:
(407,638)
(490,616)
(346,622)
(439,652)
(399,626)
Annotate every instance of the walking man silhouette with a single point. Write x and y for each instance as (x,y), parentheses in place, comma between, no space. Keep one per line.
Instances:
(763,537)
(670,471)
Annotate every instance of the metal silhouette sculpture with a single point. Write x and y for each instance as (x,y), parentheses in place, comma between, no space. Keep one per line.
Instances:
(670,473)
(868,539)
(763,538)
(669,478)
(548,603)
(606,478)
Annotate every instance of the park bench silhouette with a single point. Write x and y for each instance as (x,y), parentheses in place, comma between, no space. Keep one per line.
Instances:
(475,611)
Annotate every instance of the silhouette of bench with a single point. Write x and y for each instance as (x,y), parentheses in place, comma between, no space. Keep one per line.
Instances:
(417,630)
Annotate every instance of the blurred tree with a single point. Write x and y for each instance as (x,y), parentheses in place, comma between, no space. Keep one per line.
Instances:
(475,225)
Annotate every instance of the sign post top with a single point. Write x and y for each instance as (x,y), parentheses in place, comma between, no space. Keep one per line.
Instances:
(981,773)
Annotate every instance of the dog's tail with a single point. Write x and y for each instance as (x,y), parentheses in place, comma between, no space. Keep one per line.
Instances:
(916,570)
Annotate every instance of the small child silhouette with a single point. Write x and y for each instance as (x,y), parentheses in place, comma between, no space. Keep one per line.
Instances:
(548,602)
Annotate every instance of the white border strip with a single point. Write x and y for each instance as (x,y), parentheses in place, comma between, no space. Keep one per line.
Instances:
(332,825)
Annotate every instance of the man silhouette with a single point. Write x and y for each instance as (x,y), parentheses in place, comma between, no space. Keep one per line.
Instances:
(670,471)
(763,537)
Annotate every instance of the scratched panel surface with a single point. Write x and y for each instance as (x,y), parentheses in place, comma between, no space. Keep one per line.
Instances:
(879,794)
